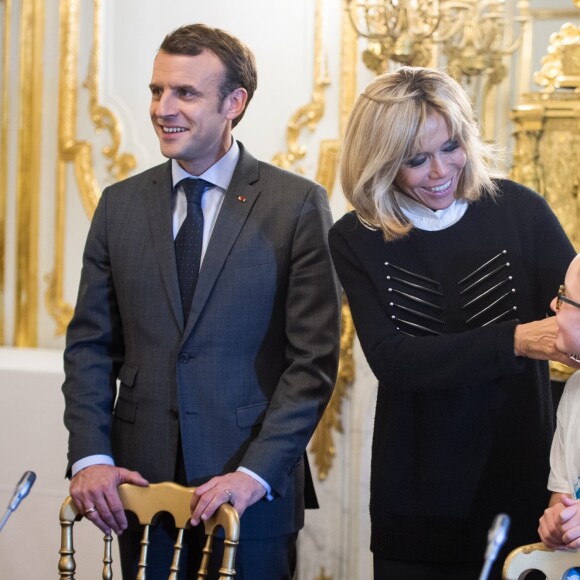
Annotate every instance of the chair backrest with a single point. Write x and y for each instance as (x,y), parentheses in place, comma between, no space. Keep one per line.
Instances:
(553,563)
(145,503)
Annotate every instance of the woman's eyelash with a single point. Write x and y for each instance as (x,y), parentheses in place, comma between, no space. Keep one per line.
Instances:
(417,161)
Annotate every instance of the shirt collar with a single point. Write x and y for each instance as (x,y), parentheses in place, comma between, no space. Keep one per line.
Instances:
(424,218)
(220,173)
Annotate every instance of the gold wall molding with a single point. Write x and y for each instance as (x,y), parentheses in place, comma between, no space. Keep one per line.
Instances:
(348,68)
(557,14)
(6,8)
(75,152)
(322,445)
(309,115)
(120,164)
(28,171)
(56,306)
(327,163)
(322,575)
(547,139)
(547,131)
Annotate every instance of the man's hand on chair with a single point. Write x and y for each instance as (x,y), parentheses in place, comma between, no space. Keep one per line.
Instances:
(238,488)
(94,491)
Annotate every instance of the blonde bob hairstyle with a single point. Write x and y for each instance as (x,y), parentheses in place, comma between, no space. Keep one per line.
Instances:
(382,132)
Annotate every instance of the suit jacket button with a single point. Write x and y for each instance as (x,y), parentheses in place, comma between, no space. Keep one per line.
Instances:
(174,413)
(183,357)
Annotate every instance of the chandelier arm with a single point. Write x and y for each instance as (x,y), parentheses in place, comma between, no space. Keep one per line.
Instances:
(451,15)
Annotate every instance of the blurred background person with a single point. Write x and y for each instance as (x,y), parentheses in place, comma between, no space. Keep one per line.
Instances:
(560,524)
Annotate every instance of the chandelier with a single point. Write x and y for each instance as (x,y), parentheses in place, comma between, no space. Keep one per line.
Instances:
(473,35)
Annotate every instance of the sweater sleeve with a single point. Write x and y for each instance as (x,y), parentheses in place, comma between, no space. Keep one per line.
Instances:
(94,349)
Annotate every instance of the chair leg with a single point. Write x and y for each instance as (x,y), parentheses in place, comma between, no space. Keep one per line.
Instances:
(142,567)
(227,570)
(108,558)
(176,555)
(66,563)
(203,569)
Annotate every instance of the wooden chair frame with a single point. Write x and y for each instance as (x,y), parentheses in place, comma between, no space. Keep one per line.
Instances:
(553,563)
(146,502)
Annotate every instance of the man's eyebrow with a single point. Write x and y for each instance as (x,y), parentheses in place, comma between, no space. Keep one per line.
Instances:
(188,88)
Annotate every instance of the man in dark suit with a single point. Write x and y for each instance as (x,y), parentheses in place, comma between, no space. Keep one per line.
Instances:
(224,394)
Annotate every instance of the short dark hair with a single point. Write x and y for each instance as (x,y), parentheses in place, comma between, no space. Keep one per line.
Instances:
(236,57)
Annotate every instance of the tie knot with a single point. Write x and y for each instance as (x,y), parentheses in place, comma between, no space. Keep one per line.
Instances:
(194,189)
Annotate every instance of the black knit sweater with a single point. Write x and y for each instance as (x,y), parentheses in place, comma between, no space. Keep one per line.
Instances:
(463,426)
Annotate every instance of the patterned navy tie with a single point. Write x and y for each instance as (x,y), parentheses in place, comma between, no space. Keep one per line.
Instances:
(189,240)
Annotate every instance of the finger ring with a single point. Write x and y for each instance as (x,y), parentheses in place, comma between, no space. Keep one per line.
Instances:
(229,495)
(90,510)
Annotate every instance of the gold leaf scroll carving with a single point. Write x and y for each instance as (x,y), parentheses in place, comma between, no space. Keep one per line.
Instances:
(561,66)
(322,446)
(79,153)
(307,116)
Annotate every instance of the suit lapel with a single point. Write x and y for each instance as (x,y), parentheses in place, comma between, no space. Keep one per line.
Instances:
(239,199)
(159,207)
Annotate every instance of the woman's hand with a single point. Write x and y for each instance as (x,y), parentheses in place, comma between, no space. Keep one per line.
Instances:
(538,340)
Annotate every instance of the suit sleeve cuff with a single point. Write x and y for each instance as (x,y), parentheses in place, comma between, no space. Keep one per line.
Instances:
(90,460)
(266,485)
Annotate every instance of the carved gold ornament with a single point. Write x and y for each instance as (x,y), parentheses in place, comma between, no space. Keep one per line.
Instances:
(561,66)
(307,116)
(547,139)
(322,445)
(79,153)
(4,125)
(31,41)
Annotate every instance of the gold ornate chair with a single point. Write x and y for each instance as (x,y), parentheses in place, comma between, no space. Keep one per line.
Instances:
(553,563)
(145,503)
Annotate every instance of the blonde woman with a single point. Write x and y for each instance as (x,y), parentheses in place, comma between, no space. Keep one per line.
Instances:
(449,270)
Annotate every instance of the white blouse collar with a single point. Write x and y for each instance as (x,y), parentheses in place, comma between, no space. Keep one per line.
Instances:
(427,219)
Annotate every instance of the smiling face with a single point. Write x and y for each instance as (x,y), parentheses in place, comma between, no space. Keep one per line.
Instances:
(568,315)
(431,176)
(191,121)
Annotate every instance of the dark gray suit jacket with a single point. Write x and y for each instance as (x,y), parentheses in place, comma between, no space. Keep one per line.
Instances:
(247,379)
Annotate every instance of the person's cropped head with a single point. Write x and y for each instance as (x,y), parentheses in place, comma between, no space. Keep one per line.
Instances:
(567,308)
(236,57)
(412,131)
